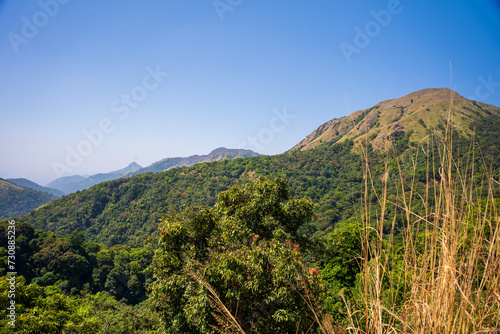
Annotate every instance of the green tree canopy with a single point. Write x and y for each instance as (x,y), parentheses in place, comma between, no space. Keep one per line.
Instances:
(244,255)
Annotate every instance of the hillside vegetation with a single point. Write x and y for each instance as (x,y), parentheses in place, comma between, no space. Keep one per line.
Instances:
(30,184)
(16,200)
(126,211)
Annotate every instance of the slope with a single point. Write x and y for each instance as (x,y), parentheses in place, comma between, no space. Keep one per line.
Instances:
(16,200)
(32,185)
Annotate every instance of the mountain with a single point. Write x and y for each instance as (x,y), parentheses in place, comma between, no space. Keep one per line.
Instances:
(218,154)
(419,112)
(30,184)
(16,200)
(326,168)
(65,184)
(131,167)
(70,184)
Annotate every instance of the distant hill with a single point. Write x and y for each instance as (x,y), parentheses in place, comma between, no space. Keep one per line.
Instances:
(16,200)
(30,184)
(419,112)
(218,154)
(70,184)
(65,184)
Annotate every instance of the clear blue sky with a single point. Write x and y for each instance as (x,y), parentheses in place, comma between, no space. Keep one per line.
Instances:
(70,66)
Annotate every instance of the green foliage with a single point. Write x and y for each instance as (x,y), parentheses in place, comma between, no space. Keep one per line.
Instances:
(341,264)
(79,266)
(246,248)
(127,211)
(48,310)
(16,200)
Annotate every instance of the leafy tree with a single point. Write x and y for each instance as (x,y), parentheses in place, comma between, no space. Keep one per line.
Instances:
(243,255)
(342,263)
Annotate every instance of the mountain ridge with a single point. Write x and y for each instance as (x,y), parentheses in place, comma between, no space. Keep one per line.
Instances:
(218,154)
(71,184)
(33,185)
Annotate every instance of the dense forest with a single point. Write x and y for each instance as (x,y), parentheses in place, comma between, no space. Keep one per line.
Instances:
(342,235)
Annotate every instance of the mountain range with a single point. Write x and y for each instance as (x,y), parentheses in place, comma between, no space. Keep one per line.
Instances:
(70,184)
(218,154)
(325,166)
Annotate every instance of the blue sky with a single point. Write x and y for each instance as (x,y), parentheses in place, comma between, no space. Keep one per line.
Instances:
(90,86)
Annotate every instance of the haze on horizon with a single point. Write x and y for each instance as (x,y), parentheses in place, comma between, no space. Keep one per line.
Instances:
(126,81)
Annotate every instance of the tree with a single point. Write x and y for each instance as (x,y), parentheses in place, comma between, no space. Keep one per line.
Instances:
(239,264)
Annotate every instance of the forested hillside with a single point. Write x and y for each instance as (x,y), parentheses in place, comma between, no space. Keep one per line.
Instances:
(126,211)
(29,184)
(78,265)
(16,200)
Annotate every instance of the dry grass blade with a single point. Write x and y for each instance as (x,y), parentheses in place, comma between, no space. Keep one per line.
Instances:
(323,320)
(451,250)
(225,319)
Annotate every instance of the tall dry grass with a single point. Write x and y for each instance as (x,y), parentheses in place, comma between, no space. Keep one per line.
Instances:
(445,278)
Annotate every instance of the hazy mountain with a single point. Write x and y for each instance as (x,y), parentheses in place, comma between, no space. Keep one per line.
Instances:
(66,183)
(218,154)
(419,112)
(131,167)
(16,200)
(30,184)
(70,184)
